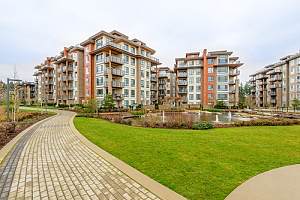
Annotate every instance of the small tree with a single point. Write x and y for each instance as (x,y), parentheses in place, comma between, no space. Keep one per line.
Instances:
(108,102)
(296,104)
(92,106)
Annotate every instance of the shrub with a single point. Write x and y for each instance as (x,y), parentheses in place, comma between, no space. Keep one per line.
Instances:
(137,113)
(214,110)
(268,122)
(203,126)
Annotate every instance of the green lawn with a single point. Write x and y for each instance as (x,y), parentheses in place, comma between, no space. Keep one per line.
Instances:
(197,164)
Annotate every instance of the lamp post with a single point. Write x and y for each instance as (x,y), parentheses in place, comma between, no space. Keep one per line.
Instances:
(7,94)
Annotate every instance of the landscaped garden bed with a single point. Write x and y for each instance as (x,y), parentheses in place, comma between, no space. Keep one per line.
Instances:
(197,164)
(24,119)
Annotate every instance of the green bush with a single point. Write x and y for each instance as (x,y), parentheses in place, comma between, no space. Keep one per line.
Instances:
(268,122)
(214,110)
(137,113)
(203,126)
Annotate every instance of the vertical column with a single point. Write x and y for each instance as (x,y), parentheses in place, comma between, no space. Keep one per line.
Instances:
(204,80)
(138,80)
(109,72)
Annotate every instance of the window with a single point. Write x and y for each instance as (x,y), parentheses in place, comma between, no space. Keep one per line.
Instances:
(132,50)
(210,70)
(197,71)
(142,63)
(132,102)
(222,79)
(147,74)
(99,81)
(210,87)
(198,80)
(99,57)
(142,73)
(191,97)
(222,69)
(222,96)
(126,47)
(126,103)
(142,83)
(198,88)
(147,94)
(132,61)
(126,92)
(132,71)
(126,59)
(222,87)
(126,82)
(99,92)
(126,70)
(210,78)
(191,72)
(132,83)
(190,63)
(147,84)
(197,96)
(210,96)
(223,59)
(191,88)
(132,93)
(210,61)
(191,80)
(143,52)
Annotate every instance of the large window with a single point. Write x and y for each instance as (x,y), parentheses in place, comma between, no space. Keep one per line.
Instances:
(132,61)
(222,87)
(132,93)
(222,96)
(210,78)
(132,71)
(126,92)
(126,81)
(222,79)
(223,59)
(222,69)
(132,83)
(191,97)
(191,88)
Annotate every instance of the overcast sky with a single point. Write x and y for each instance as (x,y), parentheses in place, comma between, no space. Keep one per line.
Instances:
(258,31)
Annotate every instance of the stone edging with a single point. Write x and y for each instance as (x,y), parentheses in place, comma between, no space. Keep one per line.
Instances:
(153,186)
(11,144)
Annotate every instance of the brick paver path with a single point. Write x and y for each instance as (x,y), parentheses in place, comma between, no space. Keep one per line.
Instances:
(50,162)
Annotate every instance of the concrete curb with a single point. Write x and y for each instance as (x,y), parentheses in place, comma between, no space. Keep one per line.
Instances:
(153,186)
(9,146)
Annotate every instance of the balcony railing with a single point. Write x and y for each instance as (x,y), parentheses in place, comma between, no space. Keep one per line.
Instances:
(234,73)
(182,74)
(182,82)
(153,79)
(117,84)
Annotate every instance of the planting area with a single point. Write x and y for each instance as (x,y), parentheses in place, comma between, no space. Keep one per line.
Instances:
(206,164)
(24,118)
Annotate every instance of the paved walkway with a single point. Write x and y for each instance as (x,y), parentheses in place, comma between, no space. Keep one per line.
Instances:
(278,184)
(51,162)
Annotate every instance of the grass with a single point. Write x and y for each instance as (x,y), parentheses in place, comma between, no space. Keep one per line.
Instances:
(197,164)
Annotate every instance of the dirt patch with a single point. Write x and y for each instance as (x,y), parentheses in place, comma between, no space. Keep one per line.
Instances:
(9,130)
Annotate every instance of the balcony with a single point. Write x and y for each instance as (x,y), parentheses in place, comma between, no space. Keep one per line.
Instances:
(232,82)
(182,82)
(232,91)
(162,75)
(70,69)
(116,72)
(182,91)
(273,93)
(70,78)
(118,97)
(182,74)
(117,84)
(153,79)
(234,73)
(273,100)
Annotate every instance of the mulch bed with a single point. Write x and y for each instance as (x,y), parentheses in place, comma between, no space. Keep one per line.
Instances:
(7,135)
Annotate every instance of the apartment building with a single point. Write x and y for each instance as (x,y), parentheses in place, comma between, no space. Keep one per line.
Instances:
(122,67)
(278,84)
(60,79)
(70,76)
(166,85)
(27,93)
(46,81)
(208,78)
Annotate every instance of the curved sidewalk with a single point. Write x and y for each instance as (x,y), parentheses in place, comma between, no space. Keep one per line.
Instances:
(53,161)
(278,184)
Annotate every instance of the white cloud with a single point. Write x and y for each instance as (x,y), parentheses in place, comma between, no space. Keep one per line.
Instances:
(259,31)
